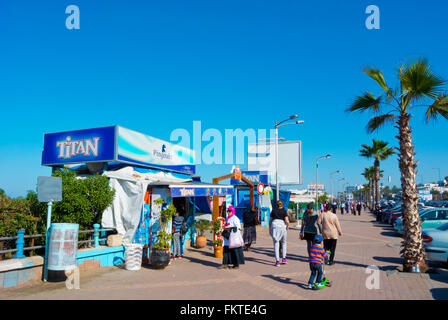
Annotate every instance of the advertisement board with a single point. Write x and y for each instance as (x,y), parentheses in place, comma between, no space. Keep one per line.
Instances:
(116,144)
(261,157)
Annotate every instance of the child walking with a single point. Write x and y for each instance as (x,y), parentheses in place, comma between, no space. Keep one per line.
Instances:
(317,255)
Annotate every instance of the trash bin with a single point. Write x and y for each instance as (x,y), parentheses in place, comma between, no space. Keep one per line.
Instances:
(134,253)
(63,246)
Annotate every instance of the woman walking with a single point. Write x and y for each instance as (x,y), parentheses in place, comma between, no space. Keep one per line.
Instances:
(278,227)
(331,229)
(309,227)
(250,229)
(231,254)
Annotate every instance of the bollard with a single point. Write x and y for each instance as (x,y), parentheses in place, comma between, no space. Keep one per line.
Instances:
(96,235)
(20,243)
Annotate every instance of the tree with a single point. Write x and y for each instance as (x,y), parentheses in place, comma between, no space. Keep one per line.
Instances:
(379,151)
(83,200)
(369,175)
(2,193)
(445,196)
(418,86)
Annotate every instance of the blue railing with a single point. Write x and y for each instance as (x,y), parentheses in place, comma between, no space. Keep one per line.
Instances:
(99,238)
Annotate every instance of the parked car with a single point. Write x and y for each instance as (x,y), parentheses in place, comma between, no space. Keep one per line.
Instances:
(430,217)
(435,242)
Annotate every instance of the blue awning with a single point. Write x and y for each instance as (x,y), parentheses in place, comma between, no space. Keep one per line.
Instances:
(200,190)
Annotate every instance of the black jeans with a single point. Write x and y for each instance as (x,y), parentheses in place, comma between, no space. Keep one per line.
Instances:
(330,245)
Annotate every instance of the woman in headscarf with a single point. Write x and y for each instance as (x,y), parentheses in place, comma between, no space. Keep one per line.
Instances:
(309,227)
(233,256)
(278,228)
(250,230)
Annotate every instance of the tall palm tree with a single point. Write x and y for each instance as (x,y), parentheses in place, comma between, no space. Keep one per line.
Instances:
(369,175)
(380,151)
(418,86)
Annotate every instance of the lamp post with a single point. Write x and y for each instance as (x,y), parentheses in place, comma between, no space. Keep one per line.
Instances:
(438,182)
(331,181)
(277,125)
(342,179)
(317,175)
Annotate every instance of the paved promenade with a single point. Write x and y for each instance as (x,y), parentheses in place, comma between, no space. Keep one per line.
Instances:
(364,243)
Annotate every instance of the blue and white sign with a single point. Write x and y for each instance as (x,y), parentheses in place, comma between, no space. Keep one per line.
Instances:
(80,146)
(116,144)
(255,177)
(199,191)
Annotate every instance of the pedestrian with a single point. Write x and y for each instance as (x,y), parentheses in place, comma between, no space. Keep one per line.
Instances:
(358,208)
(309,227)
(316,257)
(278,227)
(331,229)
(347,207)
(250,229)
(232,254)
(335,207)
(342,207)
(177,235)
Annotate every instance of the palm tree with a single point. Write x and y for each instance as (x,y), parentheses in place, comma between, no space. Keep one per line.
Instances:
(418,86)
(380,151)
(369,175)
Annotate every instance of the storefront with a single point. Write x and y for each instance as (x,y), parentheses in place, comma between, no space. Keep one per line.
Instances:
(141,169)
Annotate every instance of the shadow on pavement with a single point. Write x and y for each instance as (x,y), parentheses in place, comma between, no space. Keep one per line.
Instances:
(395,260)
(440,293)
(285,280)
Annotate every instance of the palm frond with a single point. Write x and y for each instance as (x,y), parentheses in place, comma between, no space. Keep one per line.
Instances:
(419,81)
(439,107)
(377,75)
(366,102)
(377,122)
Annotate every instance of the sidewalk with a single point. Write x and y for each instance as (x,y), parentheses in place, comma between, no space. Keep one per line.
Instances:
(364,243)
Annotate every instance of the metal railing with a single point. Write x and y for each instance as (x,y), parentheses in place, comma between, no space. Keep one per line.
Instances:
(98,238)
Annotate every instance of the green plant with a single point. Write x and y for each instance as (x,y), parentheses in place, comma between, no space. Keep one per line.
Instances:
(163,236)
(15,214)
(218,242)
(202,225)
(83,200)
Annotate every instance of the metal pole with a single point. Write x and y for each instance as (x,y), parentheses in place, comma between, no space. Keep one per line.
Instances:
(47,240)
(276,161)
(317,179)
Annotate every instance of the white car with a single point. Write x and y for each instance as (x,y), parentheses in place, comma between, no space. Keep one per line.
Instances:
(436,243)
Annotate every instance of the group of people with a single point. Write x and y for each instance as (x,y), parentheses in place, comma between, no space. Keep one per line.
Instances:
(319,230)
(346,207)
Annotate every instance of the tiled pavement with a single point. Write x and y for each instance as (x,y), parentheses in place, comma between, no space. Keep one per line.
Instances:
(364,243)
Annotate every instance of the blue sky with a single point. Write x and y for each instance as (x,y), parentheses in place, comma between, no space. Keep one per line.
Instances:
(154,66)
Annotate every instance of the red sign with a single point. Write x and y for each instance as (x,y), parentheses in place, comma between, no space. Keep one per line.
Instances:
(260,188)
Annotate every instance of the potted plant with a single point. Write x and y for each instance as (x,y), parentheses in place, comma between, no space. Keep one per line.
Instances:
(218,227)
(160,252)
(201,226)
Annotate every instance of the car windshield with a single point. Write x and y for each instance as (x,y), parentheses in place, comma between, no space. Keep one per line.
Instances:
(443,227)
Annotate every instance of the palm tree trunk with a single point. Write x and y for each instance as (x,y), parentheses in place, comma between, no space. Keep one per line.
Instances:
(377,182)
(372,189)
(412,251)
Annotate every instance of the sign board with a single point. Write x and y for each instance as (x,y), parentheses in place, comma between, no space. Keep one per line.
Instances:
(116,144)
(261,157)
(312,187)
(49,189)
(255,177)
(260,188)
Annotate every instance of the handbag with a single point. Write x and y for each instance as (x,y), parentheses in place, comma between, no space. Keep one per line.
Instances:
(226,234)
(235,240)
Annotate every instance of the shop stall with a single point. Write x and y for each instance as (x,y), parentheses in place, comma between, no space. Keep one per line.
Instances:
(146,173)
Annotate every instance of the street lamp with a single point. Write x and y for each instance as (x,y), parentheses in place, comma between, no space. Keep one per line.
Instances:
(342,179)
(277,125)
(317,175)
(439,175)
(331,181)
